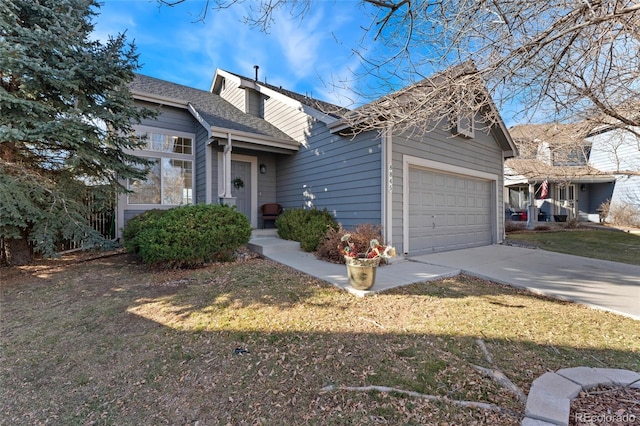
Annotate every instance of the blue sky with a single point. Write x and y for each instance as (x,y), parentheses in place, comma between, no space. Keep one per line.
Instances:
(305,56)
(312,56)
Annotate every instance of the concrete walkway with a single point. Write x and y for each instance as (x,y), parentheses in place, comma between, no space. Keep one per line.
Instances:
(600,284)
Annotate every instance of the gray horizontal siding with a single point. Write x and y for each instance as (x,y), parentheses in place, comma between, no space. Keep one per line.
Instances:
(254,102)
(294,123)
(267,182)
(335,173)
(233,94)
(626,191)
(200,189)
(616,150)
(171,118)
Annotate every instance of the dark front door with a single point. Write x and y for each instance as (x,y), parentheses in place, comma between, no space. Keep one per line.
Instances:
(241,186)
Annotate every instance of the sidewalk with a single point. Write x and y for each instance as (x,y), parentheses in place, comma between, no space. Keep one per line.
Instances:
(600,284)
(399,273)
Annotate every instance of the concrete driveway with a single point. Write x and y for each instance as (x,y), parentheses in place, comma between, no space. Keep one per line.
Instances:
(609,286)
(601,284)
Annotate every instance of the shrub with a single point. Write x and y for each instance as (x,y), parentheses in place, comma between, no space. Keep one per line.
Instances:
(572,223)
(361,236)
(510,226)
(603,210)
(305,226)
(624,214)
(192,235)
(328,246)
(136,225)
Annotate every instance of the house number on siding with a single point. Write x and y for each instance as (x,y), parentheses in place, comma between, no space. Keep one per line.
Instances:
(390,177)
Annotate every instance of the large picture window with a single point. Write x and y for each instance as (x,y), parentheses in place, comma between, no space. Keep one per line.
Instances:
(169,182)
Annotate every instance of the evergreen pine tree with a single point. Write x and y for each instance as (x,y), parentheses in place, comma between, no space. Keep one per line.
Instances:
(66,117)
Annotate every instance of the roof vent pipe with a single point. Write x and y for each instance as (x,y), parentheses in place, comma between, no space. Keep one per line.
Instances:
(256,67)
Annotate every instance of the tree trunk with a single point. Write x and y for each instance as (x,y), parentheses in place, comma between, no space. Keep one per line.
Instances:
(17,251)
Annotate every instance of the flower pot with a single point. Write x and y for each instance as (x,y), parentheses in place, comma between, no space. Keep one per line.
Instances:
(361,272)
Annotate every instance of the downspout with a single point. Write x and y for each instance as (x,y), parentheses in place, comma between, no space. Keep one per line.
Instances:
(208,172)
(387,185)
(226,170)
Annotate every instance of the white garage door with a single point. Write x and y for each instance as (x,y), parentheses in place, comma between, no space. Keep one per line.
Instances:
(448,212)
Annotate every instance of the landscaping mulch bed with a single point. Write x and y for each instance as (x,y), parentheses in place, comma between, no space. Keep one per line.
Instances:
(606,405)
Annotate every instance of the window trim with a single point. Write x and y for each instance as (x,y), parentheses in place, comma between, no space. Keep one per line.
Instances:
(161,155)
(468,131)
(168,132)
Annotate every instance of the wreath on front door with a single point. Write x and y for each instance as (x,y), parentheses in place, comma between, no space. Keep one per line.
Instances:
(238,183)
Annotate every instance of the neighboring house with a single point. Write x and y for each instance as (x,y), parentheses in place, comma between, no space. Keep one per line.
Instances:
(617,151)
(570,177)
(248,143)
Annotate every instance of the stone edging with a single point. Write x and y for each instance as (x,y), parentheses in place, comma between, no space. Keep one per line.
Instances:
(550,395)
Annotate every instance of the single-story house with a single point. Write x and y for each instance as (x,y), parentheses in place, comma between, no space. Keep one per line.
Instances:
(247,143)
(569,172)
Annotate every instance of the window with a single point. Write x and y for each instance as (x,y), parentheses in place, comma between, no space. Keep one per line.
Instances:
(566,192)
(169,182)
(519,197)
(170,178)
(161,142)
(465,126)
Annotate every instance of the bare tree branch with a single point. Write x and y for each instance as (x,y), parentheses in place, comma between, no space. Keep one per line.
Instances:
(561,61)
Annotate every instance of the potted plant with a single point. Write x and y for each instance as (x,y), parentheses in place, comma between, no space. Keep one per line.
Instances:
(361,267)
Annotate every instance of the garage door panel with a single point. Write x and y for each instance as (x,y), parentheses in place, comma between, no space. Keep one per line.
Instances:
(447,211)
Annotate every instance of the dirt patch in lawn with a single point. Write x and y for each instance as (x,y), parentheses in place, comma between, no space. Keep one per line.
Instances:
(110,341)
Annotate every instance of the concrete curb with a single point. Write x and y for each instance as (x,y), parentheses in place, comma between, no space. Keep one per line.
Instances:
(550,395)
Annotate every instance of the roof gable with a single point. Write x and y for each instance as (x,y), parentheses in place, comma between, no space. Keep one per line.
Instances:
(321,110)
(463,85)
(208,108)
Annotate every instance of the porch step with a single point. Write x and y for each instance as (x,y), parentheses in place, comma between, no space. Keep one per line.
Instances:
(264,233)
(266,242)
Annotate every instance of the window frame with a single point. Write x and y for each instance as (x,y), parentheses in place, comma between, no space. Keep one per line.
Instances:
(469,130)
(160,156)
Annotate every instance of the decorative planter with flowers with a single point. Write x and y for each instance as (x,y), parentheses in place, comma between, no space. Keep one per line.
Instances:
(362,267)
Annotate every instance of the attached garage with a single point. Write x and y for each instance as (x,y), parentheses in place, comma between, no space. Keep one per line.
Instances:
(448,210)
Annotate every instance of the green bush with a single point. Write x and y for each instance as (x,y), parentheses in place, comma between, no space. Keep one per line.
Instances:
(305,226)
(190,235)
(136,225)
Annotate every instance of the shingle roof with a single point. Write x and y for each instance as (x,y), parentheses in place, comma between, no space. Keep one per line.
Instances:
(550,132)
(536,169)
(216,111)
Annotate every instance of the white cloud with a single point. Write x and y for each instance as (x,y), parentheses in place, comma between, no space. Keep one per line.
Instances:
(300,41)
(300,55)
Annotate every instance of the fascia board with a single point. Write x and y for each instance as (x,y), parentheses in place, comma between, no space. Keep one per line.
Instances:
(158,99)
(339,125)
(222,73)
(200,119)
(221,132)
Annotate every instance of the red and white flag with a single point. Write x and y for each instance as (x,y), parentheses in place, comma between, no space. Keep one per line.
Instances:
(544,190)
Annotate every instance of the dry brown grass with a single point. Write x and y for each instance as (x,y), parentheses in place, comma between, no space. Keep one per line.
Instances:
(109,341)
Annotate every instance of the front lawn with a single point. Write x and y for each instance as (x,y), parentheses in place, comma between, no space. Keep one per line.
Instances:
(109,341)
(598,244)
